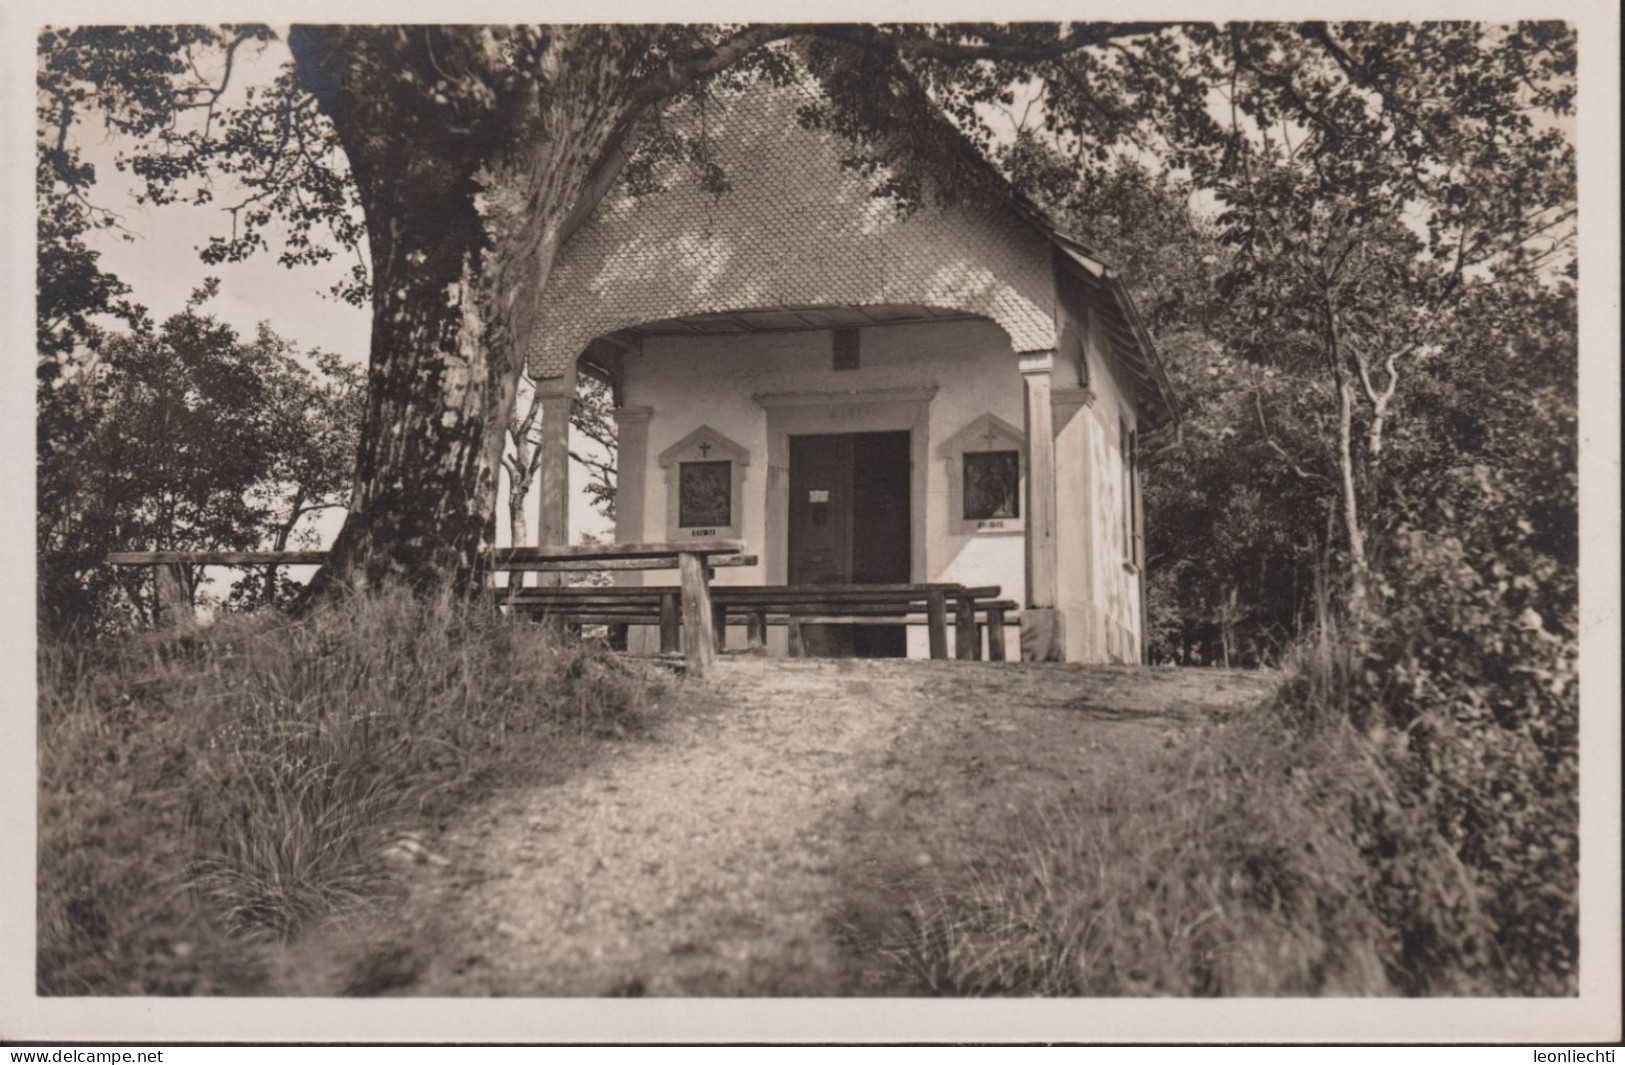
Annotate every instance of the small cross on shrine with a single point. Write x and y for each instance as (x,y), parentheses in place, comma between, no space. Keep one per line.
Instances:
(705,448)
(991,436)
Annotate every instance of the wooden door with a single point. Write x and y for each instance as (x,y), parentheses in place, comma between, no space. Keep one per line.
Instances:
(849,524)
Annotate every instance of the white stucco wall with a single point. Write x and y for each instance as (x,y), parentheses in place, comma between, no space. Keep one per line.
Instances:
(695,381)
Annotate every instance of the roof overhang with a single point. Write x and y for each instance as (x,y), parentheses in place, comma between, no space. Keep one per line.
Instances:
(1131,342)
(794,319)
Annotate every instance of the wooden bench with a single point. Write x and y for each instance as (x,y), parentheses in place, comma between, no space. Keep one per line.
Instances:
(791,606)
(693,561)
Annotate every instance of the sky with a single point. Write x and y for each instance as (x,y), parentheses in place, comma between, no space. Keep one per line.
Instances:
(157,252)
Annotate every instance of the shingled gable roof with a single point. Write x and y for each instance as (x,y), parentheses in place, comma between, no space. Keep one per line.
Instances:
(644,259)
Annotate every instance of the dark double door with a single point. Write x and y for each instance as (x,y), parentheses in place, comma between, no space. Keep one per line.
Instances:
(849,524)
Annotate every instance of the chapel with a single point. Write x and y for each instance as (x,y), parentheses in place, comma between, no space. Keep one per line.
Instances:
(862,394)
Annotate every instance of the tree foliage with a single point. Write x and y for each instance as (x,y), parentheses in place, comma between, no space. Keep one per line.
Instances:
(187,438)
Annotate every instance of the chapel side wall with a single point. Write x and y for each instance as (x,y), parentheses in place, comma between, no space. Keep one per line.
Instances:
(1099,596)
(1117,591)
(693,381)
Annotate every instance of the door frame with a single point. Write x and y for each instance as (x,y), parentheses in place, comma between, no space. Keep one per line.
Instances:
(820,413)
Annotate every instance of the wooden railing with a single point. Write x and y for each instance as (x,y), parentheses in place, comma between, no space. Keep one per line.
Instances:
(693,560)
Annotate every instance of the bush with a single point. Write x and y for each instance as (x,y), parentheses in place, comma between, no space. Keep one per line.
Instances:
(1468,692)
(236,780)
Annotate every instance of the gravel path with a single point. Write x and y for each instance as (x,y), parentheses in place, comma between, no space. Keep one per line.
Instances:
(744,848)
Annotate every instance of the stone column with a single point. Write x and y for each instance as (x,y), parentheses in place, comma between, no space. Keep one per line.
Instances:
(553,513)
(631,466)
(1043,633)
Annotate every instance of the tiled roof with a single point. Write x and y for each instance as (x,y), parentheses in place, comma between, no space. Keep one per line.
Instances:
(794,229)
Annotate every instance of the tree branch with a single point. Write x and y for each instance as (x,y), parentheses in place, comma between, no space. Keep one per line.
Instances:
(681,73)
(1281,452)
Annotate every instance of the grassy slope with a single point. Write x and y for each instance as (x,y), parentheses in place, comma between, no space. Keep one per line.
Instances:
(202,792)
(1218,866)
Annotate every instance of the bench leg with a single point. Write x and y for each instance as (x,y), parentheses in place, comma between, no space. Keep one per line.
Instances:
(699,639)
(995,635)
(617,638)
(670,642)
(967,641)
(798,649)
(719,624)
(756,631)
(936,614)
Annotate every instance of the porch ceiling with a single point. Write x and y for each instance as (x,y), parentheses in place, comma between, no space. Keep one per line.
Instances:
(789,320)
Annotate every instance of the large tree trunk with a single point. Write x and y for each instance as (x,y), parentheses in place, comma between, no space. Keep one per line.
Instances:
(467,186)
(425,486)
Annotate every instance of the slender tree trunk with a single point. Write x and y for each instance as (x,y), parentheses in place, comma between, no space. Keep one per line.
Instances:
(1358,571)
(517,523)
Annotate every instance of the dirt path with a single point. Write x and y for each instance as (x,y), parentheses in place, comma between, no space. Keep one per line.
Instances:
(744,848)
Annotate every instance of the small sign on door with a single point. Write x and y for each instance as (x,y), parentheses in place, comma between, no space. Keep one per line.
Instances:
(818,495)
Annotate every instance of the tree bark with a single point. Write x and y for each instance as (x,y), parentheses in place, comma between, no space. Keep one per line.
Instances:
(424,487)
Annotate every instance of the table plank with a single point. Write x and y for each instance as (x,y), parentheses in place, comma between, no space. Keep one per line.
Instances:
(500,558)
